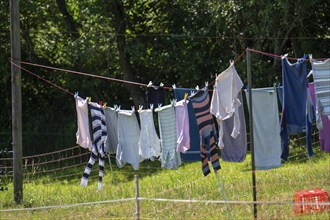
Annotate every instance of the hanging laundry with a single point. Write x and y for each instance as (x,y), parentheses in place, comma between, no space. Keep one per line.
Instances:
(149,143)
(201,104)
(324,136)
(310,118)
(225,102)
(128,139)
(266,128)
(169,158)
(234,148)
(83,134)
(100,138)
(155,95)
(182,126)
(321,75)
(193,154)
(293,120)
(111,119)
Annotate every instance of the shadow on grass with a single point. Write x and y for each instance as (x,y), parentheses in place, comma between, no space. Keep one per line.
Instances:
(298,155)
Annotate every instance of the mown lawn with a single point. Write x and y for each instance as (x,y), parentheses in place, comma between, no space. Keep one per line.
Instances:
(187,182)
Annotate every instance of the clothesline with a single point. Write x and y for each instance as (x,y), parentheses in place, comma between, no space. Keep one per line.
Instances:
(41,78)
(278,56)
(107,78)
(125,81)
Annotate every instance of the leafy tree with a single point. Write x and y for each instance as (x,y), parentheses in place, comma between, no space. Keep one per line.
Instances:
(182,42)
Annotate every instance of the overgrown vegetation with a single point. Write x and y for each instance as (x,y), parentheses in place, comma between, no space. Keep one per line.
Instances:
(184,42)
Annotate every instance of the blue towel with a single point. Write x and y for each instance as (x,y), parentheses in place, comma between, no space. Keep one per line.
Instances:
(293,120)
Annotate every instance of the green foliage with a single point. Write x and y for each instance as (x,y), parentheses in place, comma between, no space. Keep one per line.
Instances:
(182,42)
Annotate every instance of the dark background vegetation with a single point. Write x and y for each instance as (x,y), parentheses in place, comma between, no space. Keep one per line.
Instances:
(185,42)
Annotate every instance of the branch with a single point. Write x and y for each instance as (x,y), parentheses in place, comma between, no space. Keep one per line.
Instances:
(71,25)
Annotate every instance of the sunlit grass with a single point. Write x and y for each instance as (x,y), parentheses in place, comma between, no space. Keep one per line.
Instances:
(187,182)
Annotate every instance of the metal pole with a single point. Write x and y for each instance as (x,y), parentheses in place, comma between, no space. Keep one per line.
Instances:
(136,177)
(223,195)
(16,99)
(254,186)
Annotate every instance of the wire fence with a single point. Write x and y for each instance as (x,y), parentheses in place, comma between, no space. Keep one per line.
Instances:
(68,164)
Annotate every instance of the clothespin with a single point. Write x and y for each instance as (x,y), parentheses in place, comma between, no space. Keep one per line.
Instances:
(159,105)
(104,104)
(197,87)
(133,108)
(231,62)
(89,99)
(140,108)
(174,86)
(206,84)
(101,102)
(161,84)
(118,108)
(76,94)
(310,73)
(151,106)
(284,56)
(185,96)
(149,84)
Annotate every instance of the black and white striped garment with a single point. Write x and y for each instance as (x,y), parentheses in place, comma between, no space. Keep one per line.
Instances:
(99,142)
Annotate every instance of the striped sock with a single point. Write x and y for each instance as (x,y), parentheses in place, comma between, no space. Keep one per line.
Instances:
(205,162)
(87,171)
(214,154)
(101,171)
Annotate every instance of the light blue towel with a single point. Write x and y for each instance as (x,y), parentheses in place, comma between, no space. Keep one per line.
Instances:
(266,128)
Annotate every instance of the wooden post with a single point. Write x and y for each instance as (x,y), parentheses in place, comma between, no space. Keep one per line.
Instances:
(16,99)
(136,176)
(254,186)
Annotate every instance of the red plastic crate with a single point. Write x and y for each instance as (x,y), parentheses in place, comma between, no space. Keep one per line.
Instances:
(311,196)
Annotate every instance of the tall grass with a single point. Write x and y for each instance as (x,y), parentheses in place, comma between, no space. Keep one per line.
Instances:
(187,182)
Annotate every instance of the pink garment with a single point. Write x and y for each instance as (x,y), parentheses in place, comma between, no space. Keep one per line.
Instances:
(325,131)
(182,126)
(83,134)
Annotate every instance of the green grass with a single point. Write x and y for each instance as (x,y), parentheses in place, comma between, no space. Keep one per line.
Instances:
(187,182)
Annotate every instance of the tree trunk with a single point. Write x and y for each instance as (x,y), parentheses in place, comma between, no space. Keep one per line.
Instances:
(71,25)
(119,23)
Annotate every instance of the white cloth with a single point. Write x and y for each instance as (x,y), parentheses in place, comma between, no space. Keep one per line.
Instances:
(225,102)
(128,139)
(149,143)
(83,135)
(266,129)
(111,119)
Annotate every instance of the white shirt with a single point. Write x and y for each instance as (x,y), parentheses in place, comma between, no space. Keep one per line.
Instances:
(225,100)
(149,143)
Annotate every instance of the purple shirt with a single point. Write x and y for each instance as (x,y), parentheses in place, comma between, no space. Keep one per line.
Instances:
(182,126)
(325,131)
